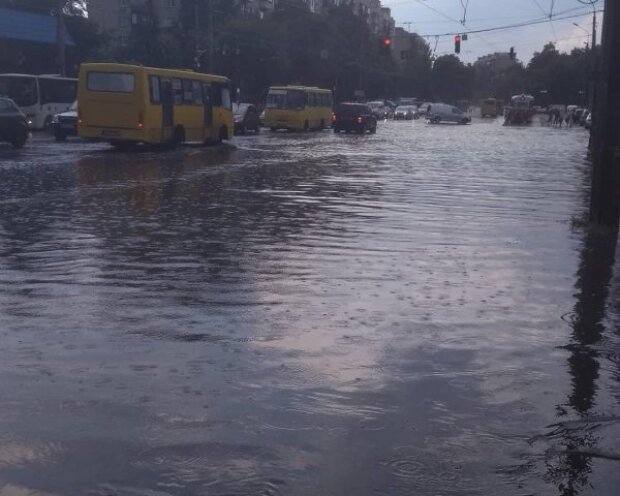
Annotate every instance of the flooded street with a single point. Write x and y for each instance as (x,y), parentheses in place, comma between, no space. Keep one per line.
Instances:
(418,311)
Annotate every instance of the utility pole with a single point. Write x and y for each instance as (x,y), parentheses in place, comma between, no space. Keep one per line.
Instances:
(605,196)
(60,37)
(211,37)
(196,35)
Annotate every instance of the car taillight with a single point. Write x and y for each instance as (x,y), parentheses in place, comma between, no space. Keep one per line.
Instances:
(140,121)
(360,120)
(334,117)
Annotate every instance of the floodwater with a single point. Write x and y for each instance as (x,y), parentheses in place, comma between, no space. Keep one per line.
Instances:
(416,312)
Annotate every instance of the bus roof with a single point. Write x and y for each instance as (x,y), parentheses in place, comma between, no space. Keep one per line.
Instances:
(153,70)
(300,88)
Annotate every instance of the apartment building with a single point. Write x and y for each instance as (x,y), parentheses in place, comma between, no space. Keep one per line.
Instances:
(116,17)
(379,18)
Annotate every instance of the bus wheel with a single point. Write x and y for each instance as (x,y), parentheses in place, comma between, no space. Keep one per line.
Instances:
(179,136)
(223,134)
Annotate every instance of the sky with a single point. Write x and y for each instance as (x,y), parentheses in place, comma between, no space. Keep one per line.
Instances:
(432,17)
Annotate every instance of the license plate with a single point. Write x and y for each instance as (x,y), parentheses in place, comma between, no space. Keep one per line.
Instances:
(110,133)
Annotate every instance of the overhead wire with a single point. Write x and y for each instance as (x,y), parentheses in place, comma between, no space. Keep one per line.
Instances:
(421,2)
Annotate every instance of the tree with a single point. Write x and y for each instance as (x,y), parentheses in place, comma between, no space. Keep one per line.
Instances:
(451,79)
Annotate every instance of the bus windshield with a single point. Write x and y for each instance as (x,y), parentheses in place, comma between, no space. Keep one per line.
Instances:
(21,89)
(286,99)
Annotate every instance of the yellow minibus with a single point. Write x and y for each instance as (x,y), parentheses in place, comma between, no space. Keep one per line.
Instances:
(298,108)
(490,107)
(125,104)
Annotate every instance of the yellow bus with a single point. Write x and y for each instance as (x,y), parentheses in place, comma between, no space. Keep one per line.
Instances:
(298,108)
(490,107)
(125,104)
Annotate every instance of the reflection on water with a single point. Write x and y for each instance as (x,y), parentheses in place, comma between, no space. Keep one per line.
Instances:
(307,314)
(571,468)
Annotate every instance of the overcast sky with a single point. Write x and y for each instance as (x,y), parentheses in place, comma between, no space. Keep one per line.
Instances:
(430,17)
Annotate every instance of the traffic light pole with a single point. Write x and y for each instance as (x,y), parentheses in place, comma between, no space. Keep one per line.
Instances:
(605,195)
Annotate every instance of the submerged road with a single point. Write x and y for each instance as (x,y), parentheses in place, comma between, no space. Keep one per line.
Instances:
(420,311)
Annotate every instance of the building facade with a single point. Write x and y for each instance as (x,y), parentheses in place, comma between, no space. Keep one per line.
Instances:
(116,17)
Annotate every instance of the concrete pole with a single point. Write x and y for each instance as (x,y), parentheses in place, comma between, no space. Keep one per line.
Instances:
(211,37)
(605,195)
(60,37)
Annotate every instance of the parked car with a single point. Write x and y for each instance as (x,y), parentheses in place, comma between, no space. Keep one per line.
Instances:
(440,112)
(65,123)
(405,112)
(354,117)
(13,123)
(246,118)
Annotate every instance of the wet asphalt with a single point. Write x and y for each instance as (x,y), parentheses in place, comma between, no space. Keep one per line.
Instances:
(421,311)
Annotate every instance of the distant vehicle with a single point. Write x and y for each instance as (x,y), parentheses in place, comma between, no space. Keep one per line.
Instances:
(423,108)
(354,117)
(65,123)
(521,110)
(298,108)
(125,104)
(405,112)
(408,101)
(246,118)
(13,123)
(440,112)
(39,97)
(489,108)
(380,109)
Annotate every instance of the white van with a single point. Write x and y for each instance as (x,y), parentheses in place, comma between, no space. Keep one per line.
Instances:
(440,112)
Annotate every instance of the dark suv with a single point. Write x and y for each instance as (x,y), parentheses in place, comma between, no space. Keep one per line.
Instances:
(354,117)
(13,123)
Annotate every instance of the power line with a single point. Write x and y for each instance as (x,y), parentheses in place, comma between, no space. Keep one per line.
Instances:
(511,26)
(421,2)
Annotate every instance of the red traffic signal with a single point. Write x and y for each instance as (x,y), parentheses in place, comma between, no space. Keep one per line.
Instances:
(457,43)
(387,42)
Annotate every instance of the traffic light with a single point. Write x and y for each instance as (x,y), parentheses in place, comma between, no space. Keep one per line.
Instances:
(457,43)
(385,44)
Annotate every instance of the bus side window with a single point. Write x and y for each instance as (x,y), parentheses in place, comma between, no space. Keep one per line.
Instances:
(154,89)
(177,91)
(57,90)
(188,95)
(197,93)
(226,99)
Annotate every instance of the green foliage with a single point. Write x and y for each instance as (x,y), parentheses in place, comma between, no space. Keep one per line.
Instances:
(451,79)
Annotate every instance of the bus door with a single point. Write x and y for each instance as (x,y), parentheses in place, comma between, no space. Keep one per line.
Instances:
(167,111)
(208,110)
